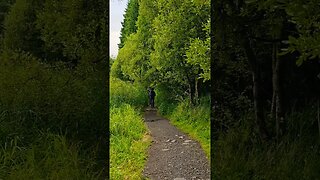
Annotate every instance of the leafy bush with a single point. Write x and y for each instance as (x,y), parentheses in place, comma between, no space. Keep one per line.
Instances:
(125,92)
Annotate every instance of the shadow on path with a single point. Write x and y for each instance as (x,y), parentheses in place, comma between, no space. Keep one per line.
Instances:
(173,155)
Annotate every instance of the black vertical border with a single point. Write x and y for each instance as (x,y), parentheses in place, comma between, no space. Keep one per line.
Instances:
(212,85)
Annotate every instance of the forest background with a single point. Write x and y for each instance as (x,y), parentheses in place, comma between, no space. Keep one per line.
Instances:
(53,82)
(265,89)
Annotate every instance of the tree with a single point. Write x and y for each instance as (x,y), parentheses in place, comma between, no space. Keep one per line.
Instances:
(134,56)
(176,24)
(129,21)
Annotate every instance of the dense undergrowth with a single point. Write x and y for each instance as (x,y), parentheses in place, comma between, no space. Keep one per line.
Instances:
(240,154)
(52,119)
(193,120)
(128,134)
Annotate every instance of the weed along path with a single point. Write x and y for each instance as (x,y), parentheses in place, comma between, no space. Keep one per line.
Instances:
(173,155)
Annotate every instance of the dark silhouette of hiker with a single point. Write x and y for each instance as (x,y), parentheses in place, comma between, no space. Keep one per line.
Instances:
(152,94)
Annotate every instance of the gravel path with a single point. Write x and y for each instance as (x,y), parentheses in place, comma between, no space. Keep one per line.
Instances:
(173,155)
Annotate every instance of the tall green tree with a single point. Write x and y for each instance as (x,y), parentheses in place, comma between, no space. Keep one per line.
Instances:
(177,23)
(134,57)
(129,22)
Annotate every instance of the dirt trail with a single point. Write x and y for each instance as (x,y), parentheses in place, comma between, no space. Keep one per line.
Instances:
(173,155)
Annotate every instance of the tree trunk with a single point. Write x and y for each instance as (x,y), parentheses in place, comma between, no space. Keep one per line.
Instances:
(277,100)
(258,106)
(196,93)
(191,92)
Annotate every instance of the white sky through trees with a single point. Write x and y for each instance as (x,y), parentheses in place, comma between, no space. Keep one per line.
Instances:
(117,8)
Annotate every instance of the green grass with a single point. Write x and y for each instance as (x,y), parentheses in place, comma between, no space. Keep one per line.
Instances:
(128,143)
(49,157)
(129,138)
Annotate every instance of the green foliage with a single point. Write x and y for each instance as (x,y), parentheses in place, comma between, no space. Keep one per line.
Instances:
(73,30)
(199,54)
(54,31)
(116,70)
(169,46)
(37,100)
(134,57)
(20,31)
(130,58)
(261,29)
(305,15)
(172,31)
(4,8)
(126,92)
(165,100)
(45,103)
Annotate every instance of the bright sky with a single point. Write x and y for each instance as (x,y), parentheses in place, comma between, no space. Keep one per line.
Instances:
(117,8)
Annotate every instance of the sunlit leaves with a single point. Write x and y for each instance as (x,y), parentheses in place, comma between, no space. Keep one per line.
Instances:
(170,45)
(199,54)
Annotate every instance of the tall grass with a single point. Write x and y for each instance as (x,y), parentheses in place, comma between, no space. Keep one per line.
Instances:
(128,134)
(49,157)
(240,155)
(52,119)
(128,143)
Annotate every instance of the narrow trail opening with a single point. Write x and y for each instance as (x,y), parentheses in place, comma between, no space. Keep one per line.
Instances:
(173,154)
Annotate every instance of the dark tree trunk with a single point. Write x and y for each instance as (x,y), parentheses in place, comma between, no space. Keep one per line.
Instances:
(258,106)
(196,92)
(257,96)
(277,99)
(191,93)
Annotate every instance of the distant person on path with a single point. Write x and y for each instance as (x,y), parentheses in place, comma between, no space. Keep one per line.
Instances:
(152,94)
